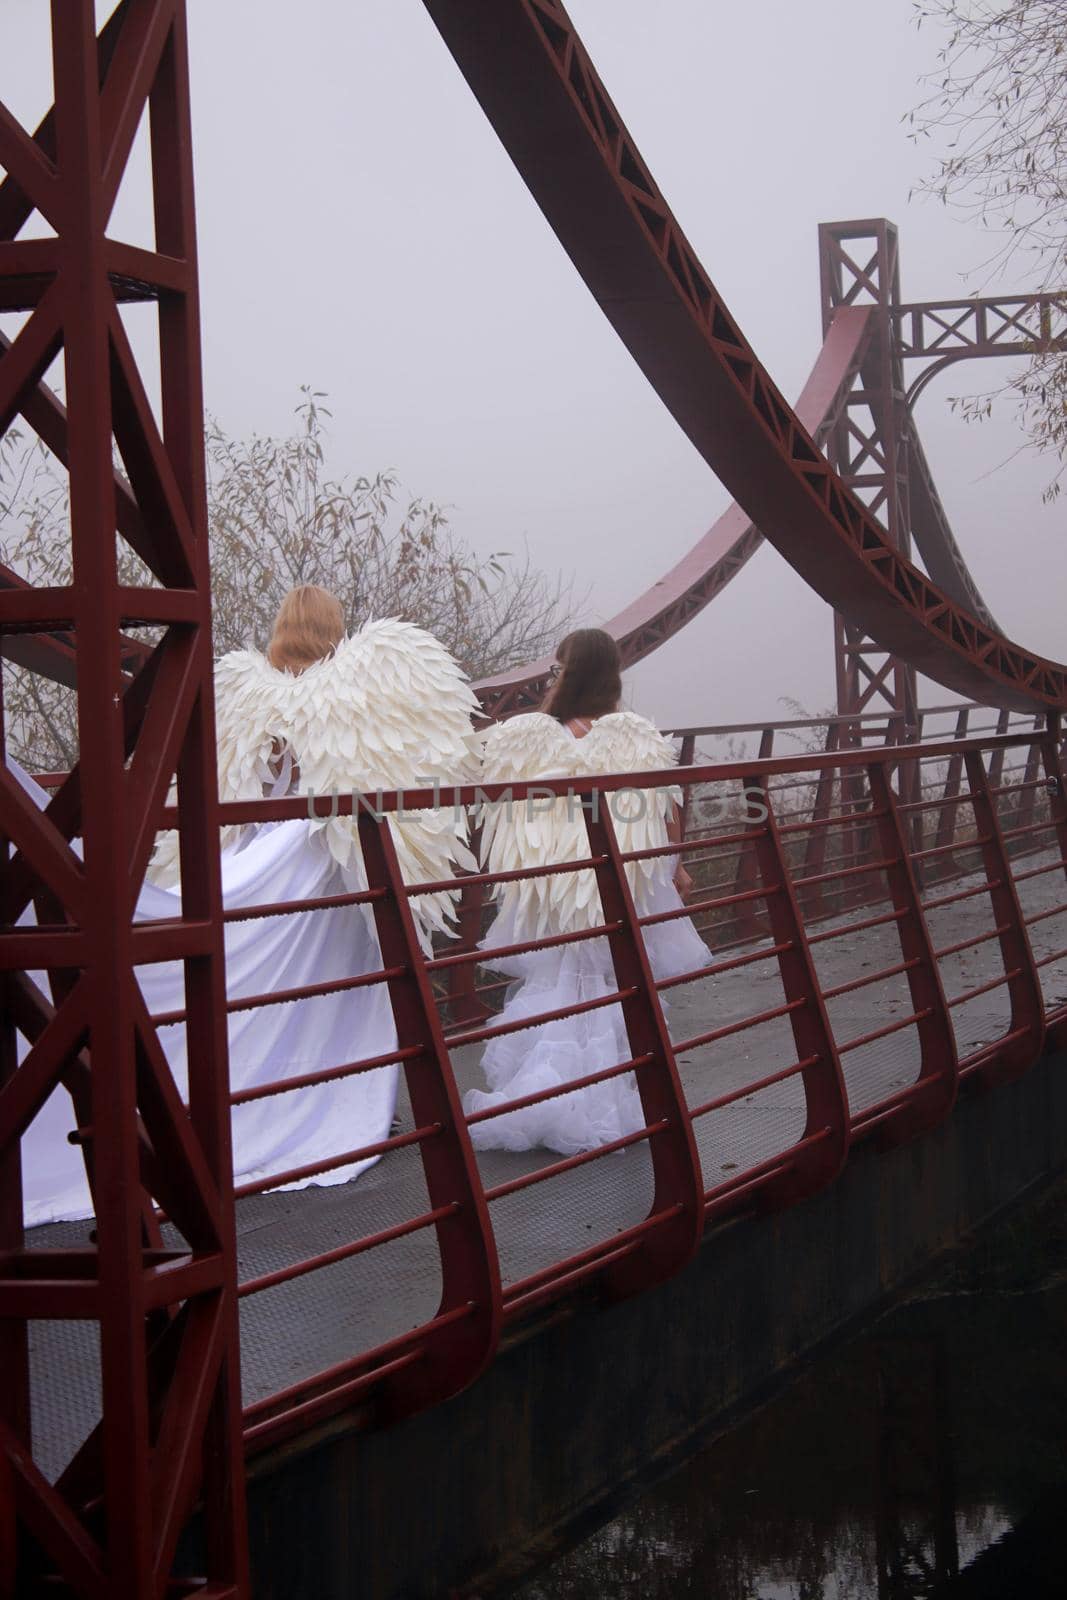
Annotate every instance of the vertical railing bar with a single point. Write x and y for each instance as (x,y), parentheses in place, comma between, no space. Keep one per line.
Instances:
(465,1006)
(748,920)
(1052,762)
(685,759)
(937,1041)
(947,821)
(996,763)
(826,1100)
(1024,990)
(1027,803)
(815,850)
(470,1271)
(911,783)
(675,1161)
(856,892)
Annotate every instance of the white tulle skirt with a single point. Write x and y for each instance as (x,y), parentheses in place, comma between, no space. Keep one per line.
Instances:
(550,1055)
(274,1042)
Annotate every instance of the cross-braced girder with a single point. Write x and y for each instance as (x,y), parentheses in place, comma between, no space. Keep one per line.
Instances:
(69,946)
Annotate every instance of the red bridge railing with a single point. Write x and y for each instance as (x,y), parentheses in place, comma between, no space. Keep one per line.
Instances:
(868,963)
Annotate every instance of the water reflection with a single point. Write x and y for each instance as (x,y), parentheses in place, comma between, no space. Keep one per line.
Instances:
(926,1460)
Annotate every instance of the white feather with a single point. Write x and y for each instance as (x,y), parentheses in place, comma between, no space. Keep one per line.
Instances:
(520,835)
(390,709)
(251,709)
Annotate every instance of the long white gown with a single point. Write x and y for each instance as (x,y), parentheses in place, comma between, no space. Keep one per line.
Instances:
(552,1054)
(390,709)
(272,1042)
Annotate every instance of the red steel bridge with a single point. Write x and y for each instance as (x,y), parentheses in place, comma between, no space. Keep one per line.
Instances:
(885,939)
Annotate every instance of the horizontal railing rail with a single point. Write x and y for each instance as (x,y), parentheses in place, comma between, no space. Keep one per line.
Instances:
(864,719)
(430,797)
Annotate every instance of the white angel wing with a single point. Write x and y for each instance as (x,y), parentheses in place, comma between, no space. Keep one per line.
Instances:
(626,742)
(519,834)
(524,834)
(390,709)
(526,747)
(252,701)
(251,719)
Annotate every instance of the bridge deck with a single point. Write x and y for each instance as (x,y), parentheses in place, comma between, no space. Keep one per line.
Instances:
(300,1328)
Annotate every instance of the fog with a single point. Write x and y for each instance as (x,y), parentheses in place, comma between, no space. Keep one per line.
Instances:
(362,231)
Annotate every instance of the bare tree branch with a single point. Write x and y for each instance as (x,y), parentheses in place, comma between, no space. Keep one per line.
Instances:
(997,109)
(276,519)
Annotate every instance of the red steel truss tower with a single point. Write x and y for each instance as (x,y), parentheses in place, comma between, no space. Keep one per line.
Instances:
(859,265)
(164,1301)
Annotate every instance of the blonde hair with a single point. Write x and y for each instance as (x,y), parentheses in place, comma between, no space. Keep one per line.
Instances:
(309,625)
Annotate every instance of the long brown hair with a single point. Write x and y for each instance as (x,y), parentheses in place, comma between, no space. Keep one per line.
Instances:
(309,625)
(589,682)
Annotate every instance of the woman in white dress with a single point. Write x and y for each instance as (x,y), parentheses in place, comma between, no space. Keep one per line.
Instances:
(579,732)
(385,708)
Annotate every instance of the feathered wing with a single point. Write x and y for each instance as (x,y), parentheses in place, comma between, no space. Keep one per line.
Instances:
(251,723)
(524,834)
(390,709)
(519,834)
(626,742)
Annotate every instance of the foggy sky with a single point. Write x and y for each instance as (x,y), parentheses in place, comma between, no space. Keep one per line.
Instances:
(361,230)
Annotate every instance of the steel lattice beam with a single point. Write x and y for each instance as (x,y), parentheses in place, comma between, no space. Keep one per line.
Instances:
(983,325)
(1019,326)
(170,1424)
(534,79)
(860,265)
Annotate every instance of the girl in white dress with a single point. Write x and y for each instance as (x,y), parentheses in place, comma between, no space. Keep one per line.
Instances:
(579,732)
(386,708)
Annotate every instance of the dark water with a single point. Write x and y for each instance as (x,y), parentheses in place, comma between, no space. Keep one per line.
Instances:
(928,1458)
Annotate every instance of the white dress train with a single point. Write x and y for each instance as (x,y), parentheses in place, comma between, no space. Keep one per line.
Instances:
(552,1054)
(549,1055)
(274,1135)
(389,708)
